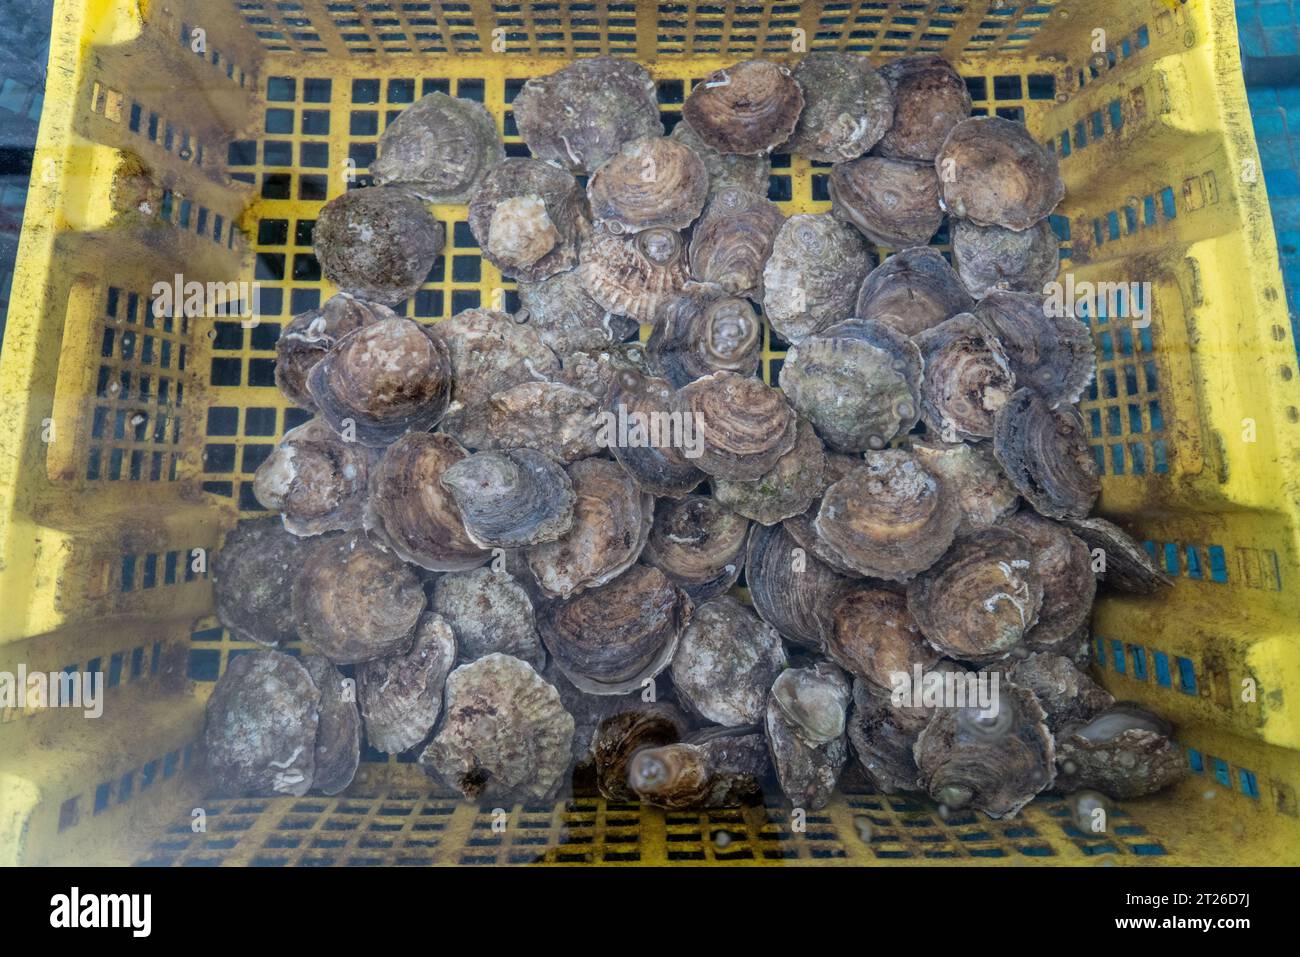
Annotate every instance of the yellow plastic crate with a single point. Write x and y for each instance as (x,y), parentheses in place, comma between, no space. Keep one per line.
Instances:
(127,443)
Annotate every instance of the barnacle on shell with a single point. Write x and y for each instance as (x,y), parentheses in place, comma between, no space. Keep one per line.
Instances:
(745,426)
(651,181)
(633,275)
(511,499)
(732,240)
(529,218)
(316,480)
(401,694)
(656,449)
(871,634)
(1127,566)
(1046,455)
(251,573)
(788,489)
(913,290)
(748,108)
(699,332)
(338,728)
(311,334)
(930,98)
(549,417)
(1124,752)
(601,371)
(790,588)
(1064,563)
(490,612)
(1053,355)
(807,713)
(566,318)
(848,106)
(993,257)
(750,173)
(974,477)
(891,202)
(725,663)
(440,148)
(698,544)
(967,379)
(713,768)
(813,274)
(993,173)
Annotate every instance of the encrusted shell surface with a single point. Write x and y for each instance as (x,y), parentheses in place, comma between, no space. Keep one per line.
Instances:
(1125,752)
(968,378)
(505,732)
(871,634)
(930,98)
(489,612)
(620,736)
(993,257)
(698,544)
(545,216)
(601,371)
(651,181)
(311,334)
(1053,355)
(1046,455)
(549,417)
(790,588)
(1064,563)
(251,573)
(1128,567)
(377,243)
(411,513)
(566,318)
(401,694)
(749,173)
(578,117)
(698,332)
(973,476)
(806,716)
(726,661)
(993,173)
(611,638)
(511,499)
(1067,694)
(848,106)
(315,480)
(338,729)
(791,486)
(733,239)
(440,148)
(661,461)
(812,276)
(744,426)
(633,275)
(383,380)
(611,521)
(259,737)
(748,108)
(857,382)
(913,290)
(710,769)
(891,202)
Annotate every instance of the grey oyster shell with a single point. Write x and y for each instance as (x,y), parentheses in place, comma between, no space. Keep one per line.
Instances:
(792,485)
(749,173)
(1127,566)
(807,713)
(1054,356)
(1064,563)
(992,257)
(848,106)
(315,480)
(1068,695)
(726,662)
(891,202)
(651,181)
(311,334)
(913,290)
(748,108)
(511,499)
(930,98)
(338,729)
(698,332)
(1046,455)
(744,426)
(529,218)
(731,242)
(439,148)
(973,476)
(489,612)
(252,573)
(658,463)
(968,378)
(698,544)
(566,318)
(1124,752)
(549,417)
(993,173)
(401,695)
(632,275)
(715,768)
(790,588)
(815,269)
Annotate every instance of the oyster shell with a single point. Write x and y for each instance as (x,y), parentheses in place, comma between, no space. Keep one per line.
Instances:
(698,333)
(566,318)
(633,275)
(489,612)
(251,575)
(611,638)
(807,712)
(440,148)
(800,526)
(620,736)
(1068,695)
(725,663)
(733,239)
(883,734)
(511,499)
(601,371)
(749,173)
(913,290)
(315,480)
(338,728)
(748,108)
(792,485)
(1064,563)
(815,269)
(871,634)
(578,117)
(651,181)
(1054,356)
(1124,752)
(698,544)
(857,382)
(993,173)
(411,513)
(967,379)
(643,409)
(381,381)
(789,587)
(311,334)
(377,243)
(992,257)
(549,417)
(848,106)
(930,98)
(744,426)
(505,732)
(1046,456)
(976,480)
(891,202)
(529,218)
(1127,566)
(401,694)
(718,768)
(611,521)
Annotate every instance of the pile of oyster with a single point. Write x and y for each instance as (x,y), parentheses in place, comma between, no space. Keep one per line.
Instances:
(512,544)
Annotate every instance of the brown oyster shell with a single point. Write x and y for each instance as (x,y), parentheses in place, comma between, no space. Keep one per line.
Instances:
(749,173)
(1124,752)
(848,106)
(311,334)
(525,241)
(601,371)
(815,269)
(993,173)
(698,544)
(1067,694)
(549,417)
(882,739)
(511,499)
(504,733)
(807,713)
(566,318)
(993,257)
(800,526)
(1054,356)
(401,694)
(726,662)
(1046,456)
(890,517)
(377,243)
(651,181)
(315,480)
(792,485)
(745,426)
(973,476)
(620,736)
(1127,567)
(913,290)
(871,634)
(338,735)
(633,275)
(411,513)
(489,612)
(697,332)
(967,379)
(891,202)
(611,638)
(733,239)
(1064,563)
(658,459)
(580,116)
(748,108)
(251,575)
(930,98)
(381,381)
(789,586)
(439,148)
(716,768)
(611,521)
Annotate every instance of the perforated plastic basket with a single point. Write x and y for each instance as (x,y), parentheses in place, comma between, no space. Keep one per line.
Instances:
(127,442)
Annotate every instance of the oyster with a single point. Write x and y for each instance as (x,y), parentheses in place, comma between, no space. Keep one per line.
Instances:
(613,637)
(858,382)
(725,663)
(815,269)
(698,333)
(748,108)
(658,459)
(967,379)
(913,290)
(377,243)
(980,600)
(714,768)
(1063,562)
(1051,355)
(549,417)
(792,485)
(401,694)
(566,318)
(973,476)
(891,202)
(750,173)
(1046,456)
(505,732)
(651,181)
(733,239)
(993,173)
(789,587)
(744,426)
(251,575)
(580,116)
(315,480)
(311,334)
(489,612)
(807,712)
(619,737)
(800,526)
(698,544)
(611,521)
(929,100)
(882,736)
(381,381)
(440,148)
(338,728)
(511,499)
(890,517)
(871,634)
(601,371)
(1068,695)
(411,513)
(633,275)
(848,106)
(993,257)
(1125,564)
(529,218)
(1124,752)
